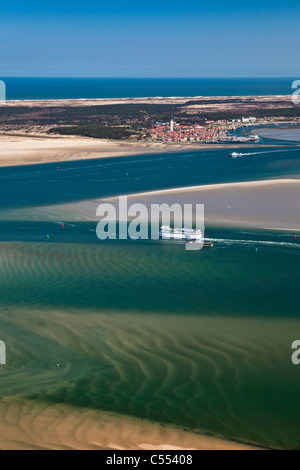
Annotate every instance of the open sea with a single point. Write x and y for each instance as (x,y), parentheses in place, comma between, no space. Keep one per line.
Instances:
(200,340)
(64,88)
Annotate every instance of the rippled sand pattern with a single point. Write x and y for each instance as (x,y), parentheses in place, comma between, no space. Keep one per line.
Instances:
(28,425)
(217,375)
(154,277)
(125,330)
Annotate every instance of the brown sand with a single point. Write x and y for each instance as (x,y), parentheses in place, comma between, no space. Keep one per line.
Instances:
(273,204)
(286,133)
(17,150)
(213,103)
(24,425)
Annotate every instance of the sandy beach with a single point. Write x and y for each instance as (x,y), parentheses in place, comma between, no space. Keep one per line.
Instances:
(149,229)
(273,204)
(138,346)
(30,423)
(22,150)
(268,204)
(291,134)
(21,145)
(62,427)
(245,101)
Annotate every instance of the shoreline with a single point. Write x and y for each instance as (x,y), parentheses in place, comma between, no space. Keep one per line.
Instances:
(217,186)
(248,204)
(18,151)
(95,430)
(139,100)
(33,145)
(227,205)
(283,134)
(245,204)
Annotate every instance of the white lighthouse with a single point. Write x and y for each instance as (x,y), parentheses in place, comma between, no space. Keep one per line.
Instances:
(172,125)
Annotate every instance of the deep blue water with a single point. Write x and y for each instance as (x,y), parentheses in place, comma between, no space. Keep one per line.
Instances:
(198,340)
(63,88)
(55,183)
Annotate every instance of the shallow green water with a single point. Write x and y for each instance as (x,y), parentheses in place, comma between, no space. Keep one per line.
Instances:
(201,340)
(153,277)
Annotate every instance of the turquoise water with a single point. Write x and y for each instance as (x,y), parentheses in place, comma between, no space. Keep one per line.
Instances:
(74,270)
(201,340)
(59,88)
(79,180)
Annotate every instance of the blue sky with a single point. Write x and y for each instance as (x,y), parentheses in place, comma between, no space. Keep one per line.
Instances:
(161,39)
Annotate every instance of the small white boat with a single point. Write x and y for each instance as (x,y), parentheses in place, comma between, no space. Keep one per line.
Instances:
(235,155)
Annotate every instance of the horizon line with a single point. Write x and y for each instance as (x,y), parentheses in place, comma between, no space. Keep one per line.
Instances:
(152,78)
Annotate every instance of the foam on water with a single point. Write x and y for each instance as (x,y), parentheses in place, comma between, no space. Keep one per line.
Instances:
(271,151)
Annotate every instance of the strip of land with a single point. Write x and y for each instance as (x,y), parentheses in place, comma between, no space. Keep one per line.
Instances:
(43,131)
(21,150)
(226,102)
(291,134)
(25,425)
(267,204)
(270,204)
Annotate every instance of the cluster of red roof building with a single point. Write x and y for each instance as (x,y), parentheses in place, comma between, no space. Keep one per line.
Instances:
(173,132)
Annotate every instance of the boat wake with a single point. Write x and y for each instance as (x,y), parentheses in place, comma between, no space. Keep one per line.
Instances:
(269,151)
(228,241)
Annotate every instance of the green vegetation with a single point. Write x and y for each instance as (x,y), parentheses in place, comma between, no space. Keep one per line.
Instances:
(96,131)
(7,111)
(120,121)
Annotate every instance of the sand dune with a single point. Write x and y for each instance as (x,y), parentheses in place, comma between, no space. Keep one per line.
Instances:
(221,101)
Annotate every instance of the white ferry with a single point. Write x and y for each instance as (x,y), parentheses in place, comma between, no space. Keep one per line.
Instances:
(191,236)
(185,233)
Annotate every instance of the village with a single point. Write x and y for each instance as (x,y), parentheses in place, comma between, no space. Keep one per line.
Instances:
(210,132)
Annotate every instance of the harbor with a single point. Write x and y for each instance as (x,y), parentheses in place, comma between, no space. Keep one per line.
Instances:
(209,133)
